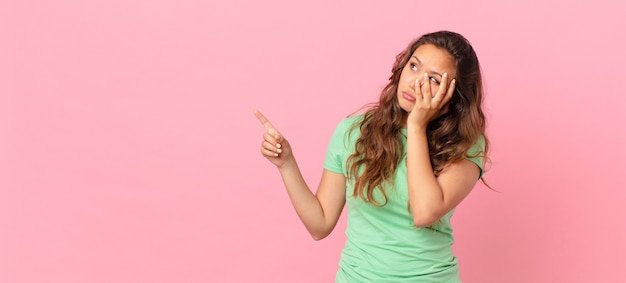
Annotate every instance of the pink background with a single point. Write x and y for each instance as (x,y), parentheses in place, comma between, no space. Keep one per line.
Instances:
(129,151)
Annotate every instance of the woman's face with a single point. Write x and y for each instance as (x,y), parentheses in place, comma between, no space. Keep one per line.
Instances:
(430,59)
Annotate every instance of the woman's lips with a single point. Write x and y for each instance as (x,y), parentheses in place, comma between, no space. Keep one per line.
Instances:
(408,96)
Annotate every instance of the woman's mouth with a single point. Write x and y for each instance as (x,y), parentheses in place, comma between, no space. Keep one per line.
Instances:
(408,96)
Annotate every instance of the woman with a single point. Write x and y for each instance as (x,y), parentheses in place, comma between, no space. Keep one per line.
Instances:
(401,167)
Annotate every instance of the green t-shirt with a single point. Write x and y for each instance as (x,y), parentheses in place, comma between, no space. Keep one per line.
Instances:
(383,244)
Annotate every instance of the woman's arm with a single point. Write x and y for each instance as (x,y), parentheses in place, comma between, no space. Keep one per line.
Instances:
(318,212)
(433,197)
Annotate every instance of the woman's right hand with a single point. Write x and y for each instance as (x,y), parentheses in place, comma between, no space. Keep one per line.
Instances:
(274,146)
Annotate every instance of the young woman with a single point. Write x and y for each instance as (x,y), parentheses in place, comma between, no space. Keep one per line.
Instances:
(401,167)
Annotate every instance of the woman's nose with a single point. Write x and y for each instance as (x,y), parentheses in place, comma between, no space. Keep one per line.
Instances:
(416,80)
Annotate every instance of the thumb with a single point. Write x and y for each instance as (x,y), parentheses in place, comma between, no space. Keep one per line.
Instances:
(277,136)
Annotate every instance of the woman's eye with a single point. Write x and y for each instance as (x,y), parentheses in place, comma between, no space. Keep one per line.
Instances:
(434,80)
(413,67)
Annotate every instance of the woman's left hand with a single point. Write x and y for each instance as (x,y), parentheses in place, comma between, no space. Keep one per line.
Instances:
(428,106)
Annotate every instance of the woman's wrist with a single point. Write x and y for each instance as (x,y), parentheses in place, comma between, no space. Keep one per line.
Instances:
(417,129)
(288,165)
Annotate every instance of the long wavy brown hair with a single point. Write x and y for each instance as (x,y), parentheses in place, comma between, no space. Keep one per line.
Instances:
(379,149)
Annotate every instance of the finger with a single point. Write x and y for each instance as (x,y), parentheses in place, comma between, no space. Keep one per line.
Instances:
(271,147)
(268,137)
(273,138)
(268,153)
(450,92)
(443,87)
(418,90)
(266,123)
(426,93)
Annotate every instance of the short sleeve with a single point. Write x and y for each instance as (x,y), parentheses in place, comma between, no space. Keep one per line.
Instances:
(476,152)
(337,148)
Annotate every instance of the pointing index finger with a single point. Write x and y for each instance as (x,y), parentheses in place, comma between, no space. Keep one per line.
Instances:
(266,123)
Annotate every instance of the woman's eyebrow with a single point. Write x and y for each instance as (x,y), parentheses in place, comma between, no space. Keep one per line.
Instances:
(431,71)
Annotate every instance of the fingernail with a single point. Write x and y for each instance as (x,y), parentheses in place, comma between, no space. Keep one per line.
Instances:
(445,75)
(278,145)
(276,154)
(279,150)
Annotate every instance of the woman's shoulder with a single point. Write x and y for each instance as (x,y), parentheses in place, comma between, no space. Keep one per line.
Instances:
(351,120)
(348,128)
(478,146)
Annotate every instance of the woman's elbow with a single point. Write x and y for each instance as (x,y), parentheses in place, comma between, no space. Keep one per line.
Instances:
(319,236)
(423,220)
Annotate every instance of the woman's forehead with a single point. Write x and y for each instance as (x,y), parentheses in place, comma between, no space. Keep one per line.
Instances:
(435,58)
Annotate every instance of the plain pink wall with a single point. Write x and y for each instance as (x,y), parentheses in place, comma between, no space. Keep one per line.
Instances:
(129,151)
